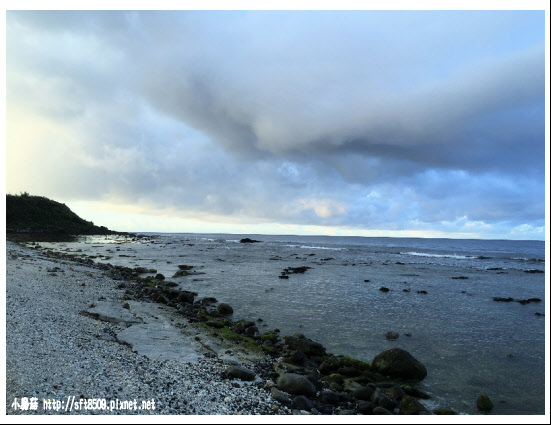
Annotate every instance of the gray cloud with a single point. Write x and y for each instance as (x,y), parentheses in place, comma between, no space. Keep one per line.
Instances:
(307,118)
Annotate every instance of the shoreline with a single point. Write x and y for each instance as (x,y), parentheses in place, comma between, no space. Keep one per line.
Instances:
(108,341)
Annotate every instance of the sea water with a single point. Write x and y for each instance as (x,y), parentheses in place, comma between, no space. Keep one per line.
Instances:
(469,343)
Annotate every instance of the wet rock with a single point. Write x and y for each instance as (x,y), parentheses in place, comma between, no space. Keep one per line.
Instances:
(382,400)
(328,397)
(348,371)
(398,363)
(381,411)
(306,345)
(484,403)
(251,331)
(334,386)
(159,276)
(365,407)
(225,309)
(351,385)
(295,384)
(186,297)
(363,393)
(394,392)
(410,406)
(248,240)
(303,403)
(529,300)
(392,335)
(280,396)
(503,300)
(298,357)
(384,289)
(209,300)
(240,372)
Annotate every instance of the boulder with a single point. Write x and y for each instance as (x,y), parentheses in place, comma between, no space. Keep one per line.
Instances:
(398,363)
(303,403)
(410,406)
(381,411)
(484,403)
(391,335)
(295,384)
(328,397)
(280,396)
(363,393)
(306,345)
(186,297)
(225,309)
(365,407)
(240,372)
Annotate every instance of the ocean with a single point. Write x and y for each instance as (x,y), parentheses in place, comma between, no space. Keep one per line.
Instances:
(440,300)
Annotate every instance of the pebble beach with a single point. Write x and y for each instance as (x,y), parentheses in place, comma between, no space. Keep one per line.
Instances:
(55,351)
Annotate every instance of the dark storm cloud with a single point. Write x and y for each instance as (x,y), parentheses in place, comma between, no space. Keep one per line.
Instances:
(394,120)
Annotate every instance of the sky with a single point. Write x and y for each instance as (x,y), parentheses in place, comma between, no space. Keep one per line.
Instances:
(365,123)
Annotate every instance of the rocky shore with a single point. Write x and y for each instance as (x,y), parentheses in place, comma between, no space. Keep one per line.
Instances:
(97,331)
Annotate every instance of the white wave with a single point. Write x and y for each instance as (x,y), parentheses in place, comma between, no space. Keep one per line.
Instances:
(424,254)
(315,247)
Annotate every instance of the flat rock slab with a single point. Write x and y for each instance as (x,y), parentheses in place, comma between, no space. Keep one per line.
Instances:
(160,341)
(112,311)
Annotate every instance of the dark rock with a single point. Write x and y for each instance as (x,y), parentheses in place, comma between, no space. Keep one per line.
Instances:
(392,335)
(306,345)
(328,397)
(225,309)
(335,386)
(208,300)
(294,270)
(398,363)
(248,240)
(303,403)
(280,396)
(370,376)
(298,357)
(484,403)
(410,406)
(251,331)
(240,372)
(365,407)
(503,300)
(186,297)
(422,292)
(394,392)
(325,368)
(529,300)
(534,271)
(363,393)
(159,276)
(384,289)
(293,383)
(348,371)
(382,400)
(460,277)
(381,411)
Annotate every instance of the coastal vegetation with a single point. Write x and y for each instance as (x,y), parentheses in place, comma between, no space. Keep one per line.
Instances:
(37,214)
